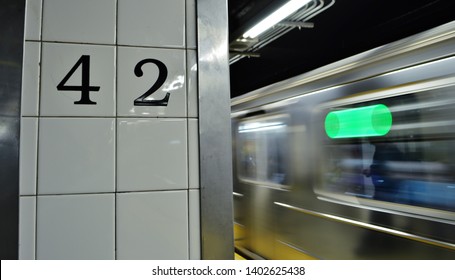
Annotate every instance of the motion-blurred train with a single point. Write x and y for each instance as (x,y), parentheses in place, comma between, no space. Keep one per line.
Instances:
(354,160)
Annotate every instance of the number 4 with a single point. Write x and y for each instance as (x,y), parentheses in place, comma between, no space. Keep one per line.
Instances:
(85,87)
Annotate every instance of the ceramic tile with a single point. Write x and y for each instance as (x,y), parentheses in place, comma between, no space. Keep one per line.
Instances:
(191,37)
(155,64)
(33,11)
(159,229)
(158,23)
(76,227)
(151,154)
(27,214)
(193,97)
(27,156)
(95,62)
(76,155)
(195,224)
(30,79)
(193,153)
(85,21)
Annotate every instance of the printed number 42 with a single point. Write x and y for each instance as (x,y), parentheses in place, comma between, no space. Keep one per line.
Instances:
(85,88)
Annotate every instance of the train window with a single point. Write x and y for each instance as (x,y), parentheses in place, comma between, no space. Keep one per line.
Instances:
(262,150)
(410,162)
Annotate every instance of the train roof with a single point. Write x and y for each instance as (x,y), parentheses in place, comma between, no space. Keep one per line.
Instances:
(413,50)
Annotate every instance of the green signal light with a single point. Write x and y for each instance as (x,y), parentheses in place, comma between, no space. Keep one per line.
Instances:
(375,120)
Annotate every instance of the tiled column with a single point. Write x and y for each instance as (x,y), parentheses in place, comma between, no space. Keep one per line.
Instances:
(109,162)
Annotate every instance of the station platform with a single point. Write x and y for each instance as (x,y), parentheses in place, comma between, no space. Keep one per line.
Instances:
(239,258)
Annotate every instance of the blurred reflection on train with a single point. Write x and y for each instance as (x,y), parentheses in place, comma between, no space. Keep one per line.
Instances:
(355,160)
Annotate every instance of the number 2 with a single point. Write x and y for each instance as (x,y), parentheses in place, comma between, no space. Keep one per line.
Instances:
(162,76)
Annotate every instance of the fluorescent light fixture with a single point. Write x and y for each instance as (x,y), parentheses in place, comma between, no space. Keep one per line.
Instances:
(274,18)
(260,126)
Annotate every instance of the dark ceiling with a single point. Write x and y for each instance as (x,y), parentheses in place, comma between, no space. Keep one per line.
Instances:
(345,29)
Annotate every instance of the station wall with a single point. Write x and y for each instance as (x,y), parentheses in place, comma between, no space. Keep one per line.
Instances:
(109,146)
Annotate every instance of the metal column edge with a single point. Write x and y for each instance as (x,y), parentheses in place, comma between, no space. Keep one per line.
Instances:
(214,130)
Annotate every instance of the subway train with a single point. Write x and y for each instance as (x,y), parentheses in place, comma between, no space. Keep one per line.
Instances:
(354,160)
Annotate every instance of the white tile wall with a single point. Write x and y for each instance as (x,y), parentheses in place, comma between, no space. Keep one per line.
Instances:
(133,84)
(28,156)
(193,153)
(76,155)
(192,85)
(191,36)
(30,79)
(158,23)
(76,227)
(159,229)
(152,154)
(57,62)
(194,228)
(112,179)
(27,218)
(82,21)
(33,19)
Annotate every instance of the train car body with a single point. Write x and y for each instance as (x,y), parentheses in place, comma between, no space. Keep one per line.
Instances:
(355,160)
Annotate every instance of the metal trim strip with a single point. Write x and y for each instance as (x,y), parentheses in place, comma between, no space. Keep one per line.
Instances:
(351,222)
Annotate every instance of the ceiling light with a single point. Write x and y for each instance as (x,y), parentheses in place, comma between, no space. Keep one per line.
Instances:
(274,18)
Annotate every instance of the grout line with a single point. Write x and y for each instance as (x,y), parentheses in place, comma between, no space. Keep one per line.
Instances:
(107,192)
(109,117)
(38,128)
(188,185)
(182,48)
(115,44)
(189,223)
(27,195)
(116,129)
(187,130)
(73,194)
(185,22)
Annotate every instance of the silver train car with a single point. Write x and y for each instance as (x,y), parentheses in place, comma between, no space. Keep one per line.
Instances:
(354,160)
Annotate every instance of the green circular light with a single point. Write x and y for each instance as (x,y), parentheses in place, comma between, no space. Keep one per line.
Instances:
(374,120)
(332,125)
(381,119)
